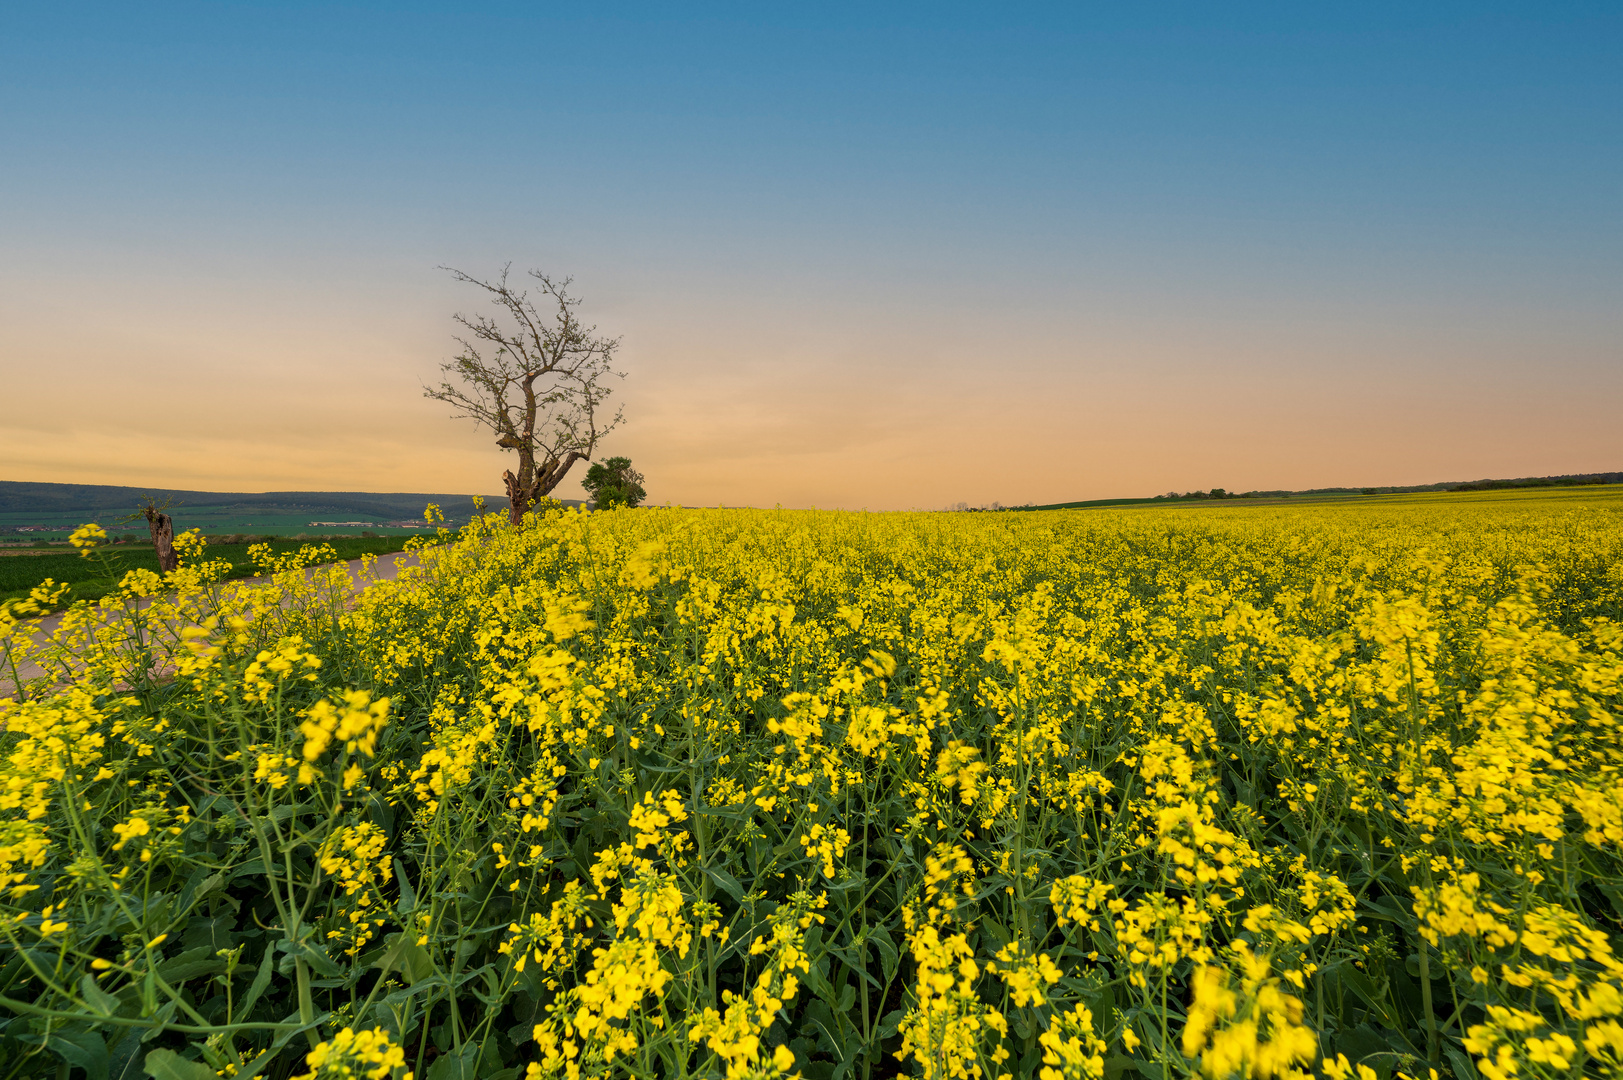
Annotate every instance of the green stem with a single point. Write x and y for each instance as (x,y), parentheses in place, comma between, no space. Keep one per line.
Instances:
(1432,1054)
(307,1009)
(1166,1060)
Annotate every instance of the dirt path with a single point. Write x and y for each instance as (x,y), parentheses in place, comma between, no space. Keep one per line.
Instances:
(387,568)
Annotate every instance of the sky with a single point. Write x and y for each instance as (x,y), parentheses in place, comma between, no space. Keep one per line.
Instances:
(881,256)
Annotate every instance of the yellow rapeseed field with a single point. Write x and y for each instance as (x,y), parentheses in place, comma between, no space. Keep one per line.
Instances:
(1324,790)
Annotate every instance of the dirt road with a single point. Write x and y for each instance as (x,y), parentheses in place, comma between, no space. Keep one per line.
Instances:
(387,568)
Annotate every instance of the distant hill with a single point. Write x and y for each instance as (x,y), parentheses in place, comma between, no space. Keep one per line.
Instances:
(1570,480)
(92,500)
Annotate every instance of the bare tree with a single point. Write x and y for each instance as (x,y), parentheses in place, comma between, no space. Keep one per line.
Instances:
(538,380)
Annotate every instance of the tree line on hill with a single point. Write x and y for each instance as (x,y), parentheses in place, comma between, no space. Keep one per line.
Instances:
(1569,480)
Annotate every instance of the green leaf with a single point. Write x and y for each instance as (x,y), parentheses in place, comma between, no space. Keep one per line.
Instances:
(166,1012)
(168,1065)
(728,884)
(283,812)
(126,1058)
(199,886)
(251,868)
(1363,987)
(1116,1064)
(83,1048)
(819,1018)
(1464,1067)
(1387,909)
(456,1066)
(189,965)
(820,985)
(207,806)
(408,895)
(889,957)
(261,980)
(995,930)
(213,934)
(432,982)
(97,998)
(1611,894)
(318,960)
(407,957)
(850,1054)
(727,813)
(1360,1044)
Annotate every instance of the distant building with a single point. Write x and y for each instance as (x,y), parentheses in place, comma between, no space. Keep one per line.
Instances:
(344,524)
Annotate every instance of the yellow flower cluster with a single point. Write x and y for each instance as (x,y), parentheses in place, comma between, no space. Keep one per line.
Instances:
(356,1055)
(86,538)
(1249,1027)
(1071,1051)
(355,722)
(827,844)
(950,1032)
(272,667)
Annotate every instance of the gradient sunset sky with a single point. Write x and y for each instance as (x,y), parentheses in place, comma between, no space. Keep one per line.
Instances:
(876,255)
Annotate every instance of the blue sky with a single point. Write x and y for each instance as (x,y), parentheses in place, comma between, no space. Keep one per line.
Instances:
(866,255)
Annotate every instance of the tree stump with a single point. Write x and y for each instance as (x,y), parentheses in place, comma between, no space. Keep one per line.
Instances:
(163,538)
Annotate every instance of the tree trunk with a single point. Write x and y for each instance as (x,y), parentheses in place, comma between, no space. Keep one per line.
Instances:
(522,497)
(519,499)
(163,539)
